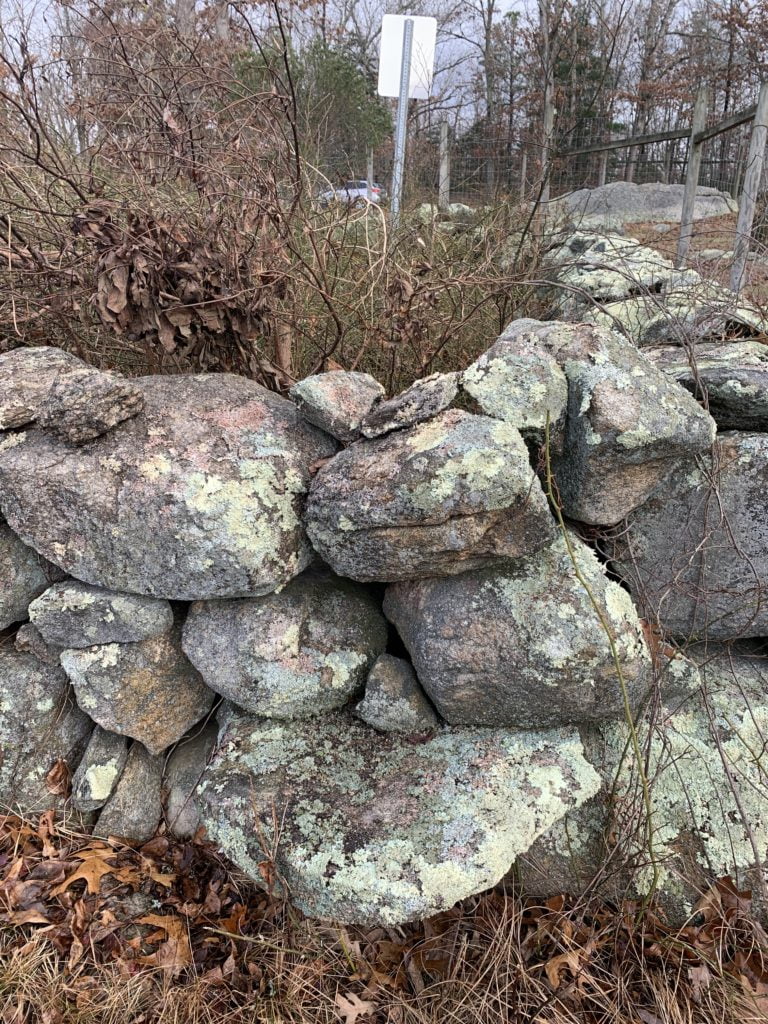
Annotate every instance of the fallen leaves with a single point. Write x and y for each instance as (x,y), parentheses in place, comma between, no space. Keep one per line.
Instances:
(351,1007)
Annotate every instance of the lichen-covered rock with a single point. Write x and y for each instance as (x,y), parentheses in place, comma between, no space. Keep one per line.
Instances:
(23,576)
(135,808)
(26,377)
(695,555)
(523,645)
(99,770)
(182,775)
(302,651)
(394,701)
(376,830)
(628,426)
(449,495)
(519,382)
(197,496)
(148,690)
(733,377)
(421,401)
(627,202)
(74,614)
(83,404)
(707,790)
(337,401)
(40,724)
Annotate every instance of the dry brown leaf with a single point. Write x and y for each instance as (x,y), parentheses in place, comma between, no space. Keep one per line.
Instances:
(57,781)
(350,1007)
(93,868)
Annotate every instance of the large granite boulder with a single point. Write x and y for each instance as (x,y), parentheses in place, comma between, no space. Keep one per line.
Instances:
(337,401)
(445,496)
(733,378)
(23,576)
(628,426)
(525,645)
(626,202)
(148,690)
(74,614)
(197,496)
(302,651)
(40,724)
(370,828)
(26,377)
(707,793)
(695,555)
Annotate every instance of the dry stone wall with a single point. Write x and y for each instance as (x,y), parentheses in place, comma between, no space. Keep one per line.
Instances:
(396,647)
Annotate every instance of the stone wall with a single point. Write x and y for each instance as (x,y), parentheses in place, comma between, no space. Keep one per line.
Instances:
(383,650)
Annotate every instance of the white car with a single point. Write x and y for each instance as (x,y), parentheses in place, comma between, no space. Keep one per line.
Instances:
(352,192)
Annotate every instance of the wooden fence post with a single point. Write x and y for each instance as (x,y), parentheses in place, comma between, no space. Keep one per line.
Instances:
(444,186)
(692,174)
(750,190)
(369,174)
(524,177)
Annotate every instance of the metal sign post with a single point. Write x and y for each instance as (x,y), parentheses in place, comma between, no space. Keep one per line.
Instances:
(402,123)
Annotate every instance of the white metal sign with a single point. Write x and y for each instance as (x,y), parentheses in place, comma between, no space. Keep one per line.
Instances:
(422,55)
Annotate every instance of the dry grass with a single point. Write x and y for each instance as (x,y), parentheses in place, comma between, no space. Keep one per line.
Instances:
(172,936)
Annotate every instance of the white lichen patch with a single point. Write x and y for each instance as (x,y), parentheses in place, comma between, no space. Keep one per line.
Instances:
(101,778)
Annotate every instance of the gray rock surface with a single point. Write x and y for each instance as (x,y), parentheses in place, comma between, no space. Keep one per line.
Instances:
(39,725)
(83,404)
(394,701)
(377,830)
(99,770)
(520,382)
(23,576)
(624,202)
(445,496)
(183,773)
(421,401)
(26,376)
(198,496)
(628,425)
(707,790)
(733,377)
(29,640)
(74,614)
(135,809)
(302,651)
(148,690)
(523,645)
(695,555)
(337,401)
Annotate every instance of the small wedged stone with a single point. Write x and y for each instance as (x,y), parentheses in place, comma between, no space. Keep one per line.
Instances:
(522,645)
(40,724)
(74,614)
(733,377)
(377,830)
(519,382)
(99,770)
(695,555)
(83,404)
(302,651)
(197,496)
(183,774)
(706,791)
(628,426)
(421,401)
(394,701)
(135,809)
(147,690)
(29,640)
(440,498)
(24,574)
(26,377)
(337,401)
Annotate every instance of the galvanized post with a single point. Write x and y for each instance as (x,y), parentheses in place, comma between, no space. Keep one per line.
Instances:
(402,123)
(749,192)
(444,187)
(369,174)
